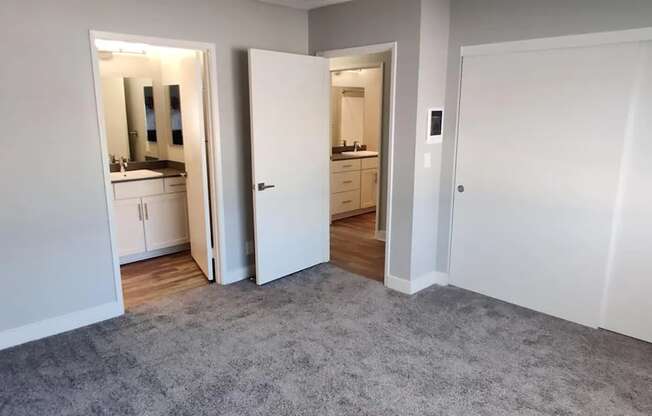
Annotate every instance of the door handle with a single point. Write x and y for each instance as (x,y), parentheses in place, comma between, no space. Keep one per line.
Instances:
(262,186)
(146,213)
(140,212)
(460,188)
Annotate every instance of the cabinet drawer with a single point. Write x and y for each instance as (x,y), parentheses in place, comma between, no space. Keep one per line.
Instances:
(135,189)
(370,163)
(176,184)
(345,165)
(345,181)
(345,201)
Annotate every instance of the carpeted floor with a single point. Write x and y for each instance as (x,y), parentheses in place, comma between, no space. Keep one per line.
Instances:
(324,342)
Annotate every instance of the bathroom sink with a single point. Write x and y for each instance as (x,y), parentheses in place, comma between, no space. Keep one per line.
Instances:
(360,153)
(134,174)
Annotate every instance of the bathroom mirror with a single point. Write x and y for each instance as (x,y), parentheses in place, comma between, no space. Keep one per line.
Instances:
(175,114)
(130,119)
(348,110)
(150,113)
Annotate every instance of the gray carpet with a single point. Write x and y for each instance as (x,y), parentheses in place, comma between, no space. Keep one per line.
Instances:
(325,342)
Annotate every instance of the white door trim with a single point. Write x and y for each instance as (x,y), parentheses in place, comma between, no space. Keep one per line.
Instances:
(366,50)
(216,197)
(559,42)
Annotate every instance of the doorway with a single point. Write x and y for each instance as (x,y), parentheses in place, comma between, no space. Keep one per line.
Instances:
(361,135)
(158,127)
(293,160)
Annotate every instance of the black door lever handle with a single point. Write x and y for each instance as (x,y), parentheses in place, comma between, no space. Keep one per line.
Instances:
(262,186)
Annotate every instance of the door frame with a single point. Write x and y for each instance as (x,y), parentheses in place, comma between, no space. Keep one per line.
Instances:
(214,158)
(538,44)
(390,47)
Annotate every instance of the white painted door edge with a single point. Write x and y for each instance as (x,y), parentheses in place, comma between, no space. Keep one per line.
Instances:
(391,47)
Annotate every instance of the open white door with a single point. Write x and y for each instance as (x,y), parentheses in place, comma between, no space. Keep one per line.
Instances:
(194,151)
(290,117)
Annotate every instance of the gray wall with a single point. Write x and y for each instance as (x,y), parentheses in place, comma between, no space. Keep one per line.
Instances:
(54,246)
(486,21)
(367,22)
(434,29)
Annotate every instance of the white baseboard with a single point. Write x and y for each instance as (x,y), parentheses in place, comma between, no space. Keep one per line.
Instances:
(398,284)
(380,235)
(237,275)
(52,326)
(410,287)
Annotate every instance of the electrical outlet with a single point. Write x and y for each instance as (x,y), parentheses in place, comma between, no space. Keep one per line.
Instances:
(249,247)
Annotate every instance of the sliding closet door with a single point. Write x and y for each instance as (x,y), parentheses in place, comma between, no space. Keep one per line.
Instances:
(540,142)
(629,298)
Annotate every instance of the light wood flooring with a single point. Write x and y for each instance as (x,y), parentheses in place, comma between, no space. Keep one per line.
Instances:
(157,278)
(355,248)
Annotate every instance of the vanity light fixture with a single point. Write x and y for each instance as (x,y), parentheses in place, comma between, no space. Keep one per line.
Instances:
(115,46)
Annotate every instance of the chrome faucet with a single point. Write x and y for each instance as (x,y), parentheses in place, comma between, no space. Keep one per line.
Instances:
(356,146)
(123,165)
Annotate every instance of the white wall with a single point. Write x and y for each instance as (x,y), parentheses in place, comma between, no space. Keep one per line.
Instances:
(54,245)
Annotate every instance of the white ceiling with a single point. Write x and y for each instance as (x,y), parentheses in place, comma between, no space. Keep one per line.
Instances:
(304,4)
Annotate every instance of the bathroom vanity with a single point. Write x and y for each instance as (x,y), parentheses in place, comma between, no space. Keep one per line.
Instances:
(151,213)
(354,183)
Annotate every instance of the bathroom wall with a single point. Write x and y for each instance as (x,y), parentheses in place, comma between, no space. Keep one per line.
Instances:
(54,246)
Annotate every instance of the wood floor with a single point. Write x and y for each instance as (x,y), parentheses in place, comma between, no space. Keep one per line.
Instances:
(157,278)
(354,247)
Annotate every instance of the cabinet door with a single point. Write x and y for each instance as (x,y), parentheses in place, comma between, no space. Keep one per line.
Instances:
(129,226)
(368,188)
(166,220)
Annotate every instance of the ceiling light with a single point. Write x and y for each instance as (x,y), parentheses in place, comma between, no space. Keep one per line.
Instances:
(116,46)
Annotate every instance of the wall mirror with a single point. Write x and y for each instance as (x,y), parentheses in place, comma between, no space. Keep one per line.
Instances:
(348,115)
(130,118)
(175,114)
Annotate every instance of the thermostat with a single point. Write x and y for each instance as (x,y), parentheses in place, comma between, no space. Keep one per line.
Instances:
(435,125)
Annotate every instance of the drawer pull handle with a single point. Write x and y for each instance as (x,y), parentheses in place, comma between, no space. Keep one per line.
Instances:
(347,182)
(348,201)
(347,166)
(177,184)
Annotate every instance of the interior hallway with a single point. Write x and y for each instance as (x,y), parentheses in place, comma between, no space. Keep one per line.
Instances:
(355,248)
(160,277)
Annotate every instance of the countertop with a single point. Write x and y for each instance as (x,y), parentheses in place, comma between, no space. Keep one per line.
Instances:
(339,156)
(162,173)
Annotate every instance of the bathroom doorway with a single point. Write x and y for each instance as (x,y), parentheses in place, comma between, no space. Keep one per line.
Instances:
(361,135)
(156,103)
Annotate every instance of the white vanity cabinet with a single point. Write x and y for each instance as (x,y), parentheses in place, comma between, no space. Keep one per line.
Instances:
(151,218)
(130,227)
(354,186)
